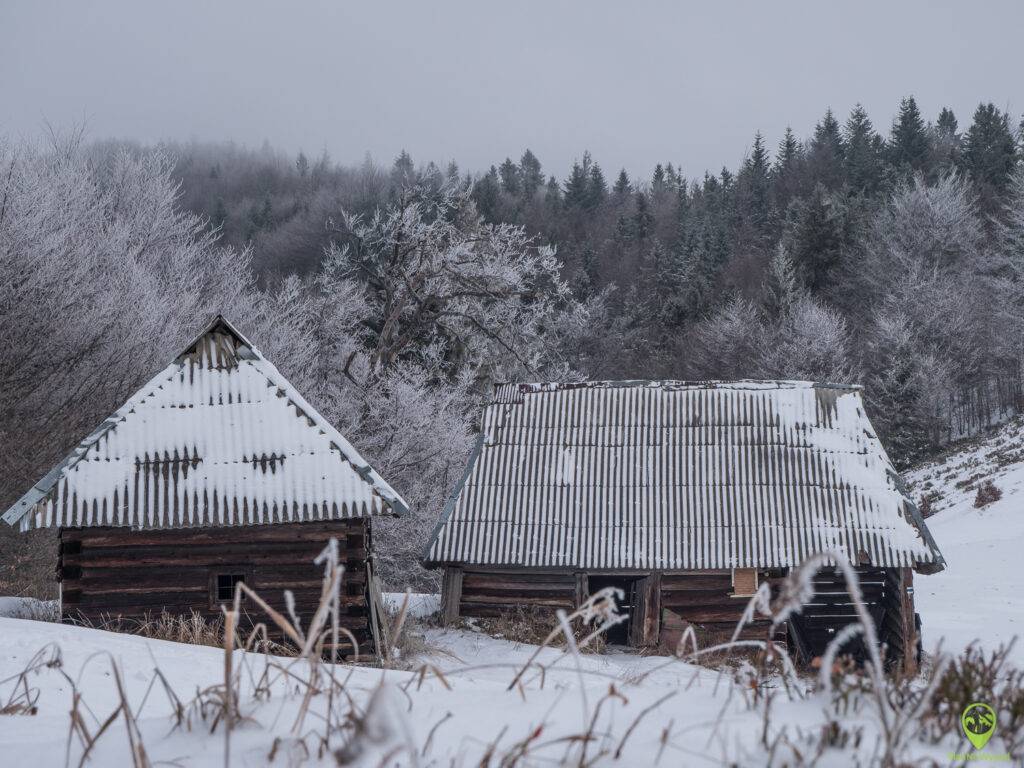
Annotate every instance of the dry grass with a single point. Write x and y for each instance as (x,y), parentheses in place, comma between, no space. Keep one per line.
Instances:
(330,719)
(531,625)
(193,629)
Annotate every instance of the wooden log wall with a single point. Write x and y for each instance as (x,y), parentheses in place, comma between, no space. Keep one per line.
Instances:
(702,598)
(888,603)
(705,600)
(486,593)
(115,573)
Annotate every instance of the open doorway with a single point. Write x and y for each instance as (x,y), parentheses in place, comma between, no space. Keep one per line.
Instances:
(619,634)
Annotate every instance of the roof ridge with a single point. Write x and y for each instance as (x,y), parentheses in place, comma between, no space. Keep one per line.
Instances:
(508,389)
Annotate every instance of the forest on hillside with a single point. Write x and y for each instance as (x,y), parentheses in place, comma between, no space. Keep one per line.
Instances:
(889,258)
(394,296)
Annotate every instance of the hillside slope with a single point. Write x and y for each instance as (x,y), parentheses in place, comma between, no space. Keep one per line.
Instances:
(978,597)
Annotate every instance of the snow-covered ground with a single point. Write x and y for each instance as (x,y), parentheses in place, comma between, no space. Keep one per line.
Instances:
(650,710)
(28,608)
(687,715)
(419,606)
(978,597)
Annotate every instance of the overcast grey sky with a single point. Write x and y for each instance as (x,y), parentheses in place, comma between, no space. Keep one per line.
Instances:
(636,83)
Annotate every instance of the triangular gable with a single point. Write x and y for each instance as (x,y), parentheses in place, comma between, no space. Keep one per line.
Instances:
(219,437)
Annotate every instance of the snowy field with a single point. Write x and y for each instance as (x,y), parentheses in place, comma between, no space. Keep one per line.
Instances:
(648,710)
(977,598)
(454,707)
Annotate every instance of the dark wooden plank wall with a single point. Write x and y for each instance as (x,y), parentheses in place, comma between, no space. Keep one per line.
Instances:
(486,593)
(108,573)
(885,596)
(705,599)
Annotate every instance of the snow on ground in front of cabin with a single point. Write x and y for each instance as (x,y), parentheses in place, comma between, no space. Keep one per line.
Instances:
(978,596)
(420,604)
(699,717)
(28,608)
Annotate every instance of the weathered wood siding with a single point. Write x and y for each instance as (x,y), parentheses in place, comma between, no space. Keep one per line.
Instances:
(886,599)
(705,599)
(487,593)
(113,572)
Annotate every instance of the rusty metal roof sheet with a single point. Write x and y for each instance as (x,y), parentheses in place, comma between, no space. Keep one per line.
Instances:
(219,437)
(679,475)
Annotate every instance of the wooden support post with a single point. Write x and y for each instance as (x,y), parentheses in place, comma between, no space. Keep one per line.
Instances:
(582,590)
(907,623)
(451,594)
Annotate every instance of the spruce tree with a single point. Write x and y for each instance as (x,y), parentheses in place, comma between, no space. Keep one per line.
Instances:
(643,219)
(863,158)
(510,179)
(909,148)
(990,154)
(622,186)
(946,144)
(403,171)
(658,180)
(487,193)
(946,124)
(530,173)
(754,198)
(825,158)
(553,195)
(785,173)
(597,188)
(578,183)
(816,237)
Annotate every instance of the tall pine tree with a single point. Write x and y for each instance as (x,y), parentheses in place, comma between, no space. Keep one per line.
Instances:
(863,159)
(990,155)
(909,148)
(825,158)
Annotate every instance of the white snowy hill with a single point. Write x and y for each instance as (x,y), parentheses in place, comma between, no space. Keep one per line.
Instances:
(977,597)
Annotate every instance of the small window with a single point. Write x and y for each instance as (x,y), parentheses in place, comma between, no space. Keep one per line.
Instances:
(744,582)
(225,586)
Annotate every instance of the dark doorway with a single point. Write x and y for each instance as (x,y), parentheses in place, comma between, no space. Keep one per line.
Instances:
(619,634)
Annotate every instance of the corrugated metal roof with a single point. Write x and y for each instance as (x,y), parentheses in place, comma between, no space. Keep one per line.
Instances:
(678,475)
(219,437)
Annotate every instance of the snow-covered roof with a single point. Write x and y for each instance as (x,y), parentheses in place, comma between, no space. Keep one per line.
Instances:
(219,437)
(679,475)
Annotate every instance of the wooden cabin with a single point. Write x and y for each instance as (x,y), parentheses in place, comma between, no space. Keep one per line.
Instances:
(216,471)
(686,496)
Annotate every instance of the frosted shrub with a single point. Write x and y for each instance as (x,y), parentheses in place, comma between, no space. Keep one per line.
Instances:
(988,493)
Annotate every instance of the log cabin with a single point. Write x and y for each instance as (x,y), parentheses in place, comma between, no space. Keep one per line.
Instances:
(215,471)
(686,496)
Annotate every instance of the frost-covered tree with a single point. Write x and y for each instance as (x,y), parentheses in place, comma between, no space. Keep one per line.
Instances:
(935,322)
(443,284)
(102,277)
(794,336)
(417,310)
